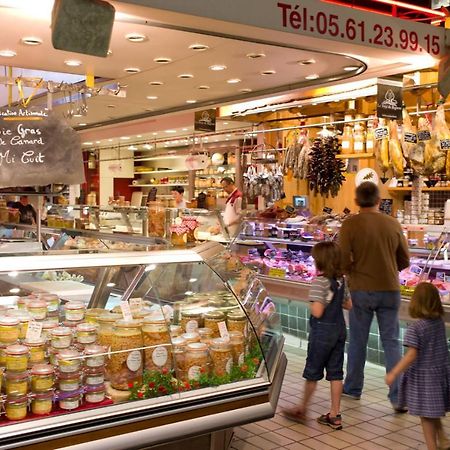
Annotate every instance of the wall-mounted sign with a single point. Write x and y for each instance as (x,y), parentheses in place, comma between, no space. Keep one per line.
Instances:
(38,148)
(205,120)
(390,99)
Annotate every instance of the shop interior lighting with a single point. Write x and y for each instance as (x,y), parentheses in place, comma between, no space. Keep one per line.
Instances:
(199,47)
(139,135)
(170,131)
(245,90)
(306,62)
(191,101)
(88,143)
(97,142)
(234,80)
(136,37)
(192,280)
(351,68)
(203,87)
(82,124)
(155,83)
(13,274)
(313,76)
(412,7)
(30,40)
(125,138)
(132,148)
(150,267)
(256,55)
(147,146)
(162,60)
(268,72)
(152,97)
(184,129)
(14,290)
(132,70)
(72,62)
(110,284)
(217,67)
(185,76)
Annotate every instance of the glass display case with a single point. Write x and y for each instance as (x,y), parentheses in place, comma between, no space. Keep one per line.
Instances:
(96,345)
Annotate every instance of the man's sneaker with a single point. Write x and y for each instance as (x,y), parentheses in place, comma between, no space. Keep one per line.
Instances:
(353,397)
(399,409)
(333,422)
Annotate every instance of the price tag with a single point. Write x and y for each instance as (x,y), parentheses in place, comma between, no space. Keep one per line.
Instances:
(126,311)
(277,273)
(327,210)
(424,135)
(445,144)
(381,133)
(136,303)
(51,242)
(223,330)
(34,331)
(410,137)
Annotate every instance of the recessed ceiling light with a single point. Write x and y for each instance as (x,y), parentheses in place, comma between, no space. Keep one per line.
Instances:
(152,97)
(185,76)
(136,37)
(149,109)
(82,124)
(162,60)
(72,62)
(203,87)
(139,135)
(228,135)
(191,101)
(306,62)
(110,284)
(170,131)
(110,140)
(97,142)
(125,138)
(8,53)
(155,134)
(245,90)
(225,123)
(268,72)
(132,70)
(351,68)
(155,83)
(88,143)
(14,290)
(109,52)
(313,76)
(256,55)
(31,40)
(217,67)
(111,106)
(78,115)
(199,47)
(234,80)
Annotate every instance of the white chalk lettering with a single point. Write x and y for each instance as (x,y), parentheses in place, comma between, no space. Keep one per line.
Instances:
(30,157)
(24,132)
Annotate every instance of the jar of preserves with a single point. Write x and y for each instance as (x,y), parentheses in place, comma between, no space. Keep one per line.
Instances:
(156,337)
(42,403)
(23,317)
(95,393)
(212,320)
(93,314)
(37,309)
(52,301)
(68,360)
(74,311)
(190,321)
(22,303)
(237,321)
(178,235)
(126,367)
(238,347)
(69,381)
(53,317)
(95,356)
(70,400)
(105,334)
(16,383)
(206,334)
(179,356)
(221,356)
(94,375)
(196,360)
(37,352)
(47,328)
(61,337)
(9,330)
(175,331)
(42,377)
(191,337)
(17,358)
(86,333)
(16,407)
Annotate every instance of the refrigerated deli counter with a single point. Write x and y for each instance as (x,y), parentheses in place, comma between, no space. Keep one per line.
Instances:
(129,350)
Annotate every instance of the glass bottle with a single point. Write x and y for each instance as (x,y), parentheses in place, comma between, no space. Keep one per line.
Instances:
(212,320)
(221,356)
(197,360)
(347,137)
(156,337)
(359,135)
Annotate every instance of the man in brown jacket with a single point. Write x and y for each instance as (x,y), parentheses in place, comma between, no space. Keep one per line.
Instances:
(374,250)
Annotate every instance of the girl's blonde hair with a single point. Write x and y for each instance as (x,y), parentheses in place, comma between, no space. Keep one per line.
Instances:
(327,256)
(426,302)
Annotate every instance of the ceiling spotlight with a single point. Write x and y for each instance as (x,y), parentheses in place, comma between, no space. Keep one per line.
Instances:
(256,55)
(313,76)
(191,101)
(139,135)
(152,97)
(8,53)
(82,124)
(162,60)
(306,62)
(184,129)
(72,62)
(110,284)
(31,40)
(14,290)
(234,80)
(88,143)
(225,123)
(136,37)
(111,106)
(217,67)
(125,138)
(109,52)
(351,68)
(132,70)
(245,90)
(185,76)
(155,83)
(268,72)
(132,147)
(155,134)
(97,142)
(199,47)
(203,87)
(110,140)
(170,131)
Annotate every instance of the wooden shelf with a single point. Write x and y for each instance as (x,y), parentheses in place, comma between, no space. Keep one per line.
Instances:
(409,189)
(154,172)
(158,185)
(157,158)
(355,155)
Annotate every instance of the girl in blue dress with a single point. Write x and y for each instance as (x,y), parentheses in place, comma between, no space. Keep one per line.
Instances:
(425,384)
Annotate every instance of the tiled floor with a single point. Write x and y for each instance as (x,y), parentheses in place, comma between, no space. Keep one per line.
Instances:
(368,423)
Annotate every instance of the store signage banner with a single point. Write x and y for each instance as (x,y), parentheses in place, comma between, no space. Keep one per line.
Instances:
(38,148)
(205,120)
(390,99)
(316,19)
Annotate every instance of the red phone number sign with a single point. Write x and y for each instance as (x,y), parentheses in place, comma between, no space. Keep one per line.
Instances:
(378,33)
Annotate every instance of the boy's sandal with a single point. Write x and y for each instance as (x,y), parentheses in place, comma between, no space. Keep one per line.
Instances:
(295,414)
(333,422)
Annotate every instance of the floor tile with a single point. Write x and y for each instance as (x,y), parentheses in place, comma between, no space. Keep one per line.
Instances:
(262,443)
(277,439)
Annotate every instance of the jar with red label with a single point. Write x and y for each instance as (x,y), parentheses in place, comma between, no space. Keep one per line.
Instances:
(74,311)
(42,377)
(42,403)
(190,223)
(37,309)
(16,383)
(16,407)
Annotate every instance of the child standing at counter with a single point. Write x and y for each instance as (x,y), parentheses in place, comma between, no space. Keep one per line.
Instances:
(328,295)
(425,385)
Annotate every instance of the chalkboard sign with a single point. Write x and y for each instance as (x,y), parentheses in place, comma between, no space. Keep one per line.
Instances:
(205,120)
(386,206)
(38,148)
(389,98)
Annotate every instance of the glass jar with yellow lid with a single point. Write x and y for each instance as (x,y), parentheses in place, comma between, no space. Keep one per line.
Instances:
(61,337)
(24,318)
(68,360)
(197,360)
(212,320)
(42,403)
(74,311)
(16,407)
(86,333)
(37,351)
(237,321)
(221,356)
(9,329)
(42,377)
(38,309)
(126,366)
(16,383)
(157,353)
(17,357)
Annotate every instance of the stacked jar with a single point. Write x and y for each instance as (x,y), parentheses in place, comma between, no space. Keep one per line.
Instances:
(69,378)
(156,337)
(196,360)
(94,373)
(74,313)
(212,321)
(42,388)
(190,321)
(105,335)
(179,356)
(221,356)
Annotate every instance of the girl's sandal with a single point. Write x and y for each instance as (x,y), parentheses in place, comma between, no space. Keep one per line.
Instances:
(295,414)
